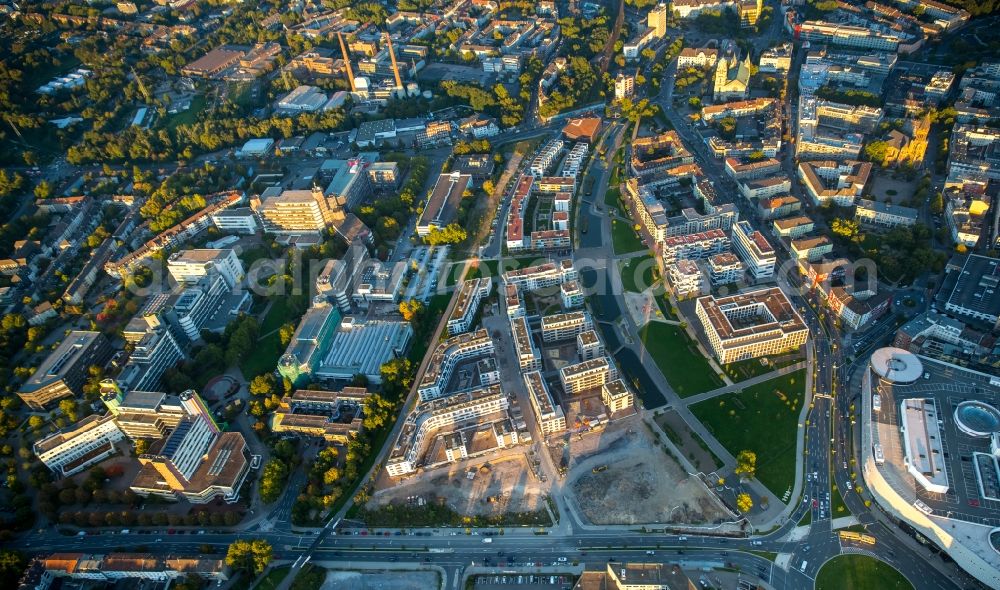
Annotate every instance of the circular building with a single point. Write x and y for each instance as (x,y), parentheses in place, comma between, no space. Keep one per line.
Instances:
(977,419)
(896,365)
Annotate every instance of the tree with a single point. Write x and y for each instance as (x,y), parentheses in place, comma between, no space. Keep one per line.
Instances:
(845,228)
(272,480)
(69,408)
(36,422)
(286,332)
(252,556)
(43,190)
(744,503)
(746,464)
(876,152)
(141,446)
(937,203)
(410,309)
(263,385)
(453,233)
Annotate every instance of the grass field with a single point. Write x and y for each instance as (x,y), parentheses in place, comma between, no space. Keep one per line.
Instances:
(273,578)
(665,308)
(624,238)
(806,518)
(750,368)
(189,116)
(680,362)
(612,197)
(632,279)
(763,419)
(277,316)
(859,572)
(837,506)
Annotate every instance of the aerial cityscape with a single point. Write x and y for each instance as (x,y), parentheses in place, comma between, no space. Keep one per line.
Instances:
(483,294)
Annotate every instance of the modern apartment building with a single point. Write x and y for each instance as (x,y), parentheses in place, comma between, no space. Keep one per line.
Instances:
(550,417)
(77,447)
(565,326)
(754,250)
(429,417)
(528,356)
(298,212)
(63,373)
(470,294)
(587,375)
(571,294)
(750,325)
(811,248)
(617,396)
(589,345)
(793,227)
(694,246)
(724,269)
(766,187)
(686,278)
(549,274)
(447,355)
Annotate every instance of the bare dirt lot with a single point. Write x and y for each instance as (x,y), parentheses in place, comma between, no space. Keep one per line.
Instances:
(508,480)
(636,482)
(373,580)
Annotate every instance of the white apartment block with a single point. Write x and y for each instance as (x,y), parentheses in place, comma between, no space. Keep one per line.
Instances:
(724,269)
(754,250)
(528,357)
(694,246)
(195,306)
(565,326)
(155,352)
(793,227)
(587,375)
(884,215)
(832,181)
(512,302)
(624,86)
(776,59)
(573,162)
(848,36)
(544,158)
(766,187)
(549,274)
(470,295)
(240,221)
(550,417)
(738,170)
(571,294)
(750,325)
(447,355)
(79,446)
(616,396)
(685,278)
(589,345)
(431,416)
(691,57)
(811,248)
(189,266)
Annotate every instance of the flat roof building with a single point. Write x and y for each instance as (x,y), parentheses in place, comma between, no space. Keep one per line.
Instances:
(550,417)
(77,447)
(922,444)
(335,416)
(63,373)
(442,205)
(750,325)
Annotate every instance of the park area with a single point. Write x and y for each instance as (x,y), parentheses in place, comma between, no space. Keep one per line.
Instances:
(680,361)
(859,572)
(624,238)
(764,419)
(639,273)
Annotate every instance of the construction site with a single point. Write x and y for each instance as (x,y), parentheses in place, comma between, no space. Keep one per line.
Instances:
(621,476)
(491,487)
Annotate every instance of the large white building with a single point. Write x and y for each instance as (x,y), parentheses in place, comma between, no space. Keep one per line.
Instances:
(587,375)
(831,181)
(750,325)
(564,326)
(447,355)
(754,250)
(190,266)
(617,396)
(79,446)
(694,246)
(470,295)
(884,215)
(550,417)
(528,357)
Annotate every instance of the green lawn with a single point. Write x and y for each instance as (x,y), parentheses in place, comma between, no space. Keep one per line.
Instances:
(612,197)
(837,506)
(277,316)
(273,578)
(635,280)
(189,116)
(806,518)
(665,308)
(750,368)
(624,238)
(680,362)
(264,357)
(311,577)
(860,572)
(763,419)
